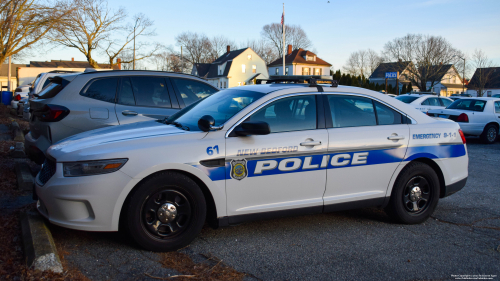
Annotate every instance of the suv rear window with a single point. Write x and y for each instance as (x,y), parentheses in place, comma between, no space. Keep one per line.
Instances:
(56,84)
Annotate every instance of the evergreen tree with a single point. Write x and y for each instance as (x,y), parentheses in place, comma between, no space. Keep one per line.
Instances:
(409,88)
(403,90)
(390,89)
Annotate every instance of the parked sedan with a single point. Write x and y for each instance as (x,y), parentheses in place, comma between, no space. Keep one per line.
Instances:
(76,103)
(425,102)
(476,116)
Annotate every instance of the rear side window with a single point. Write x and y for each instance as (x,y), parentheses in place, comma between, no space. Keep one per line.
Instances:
(387,116)
(350,111)
(445,102)
(103,89)
(433,102)
(148,91)
(47,82)
(497,107)
(191,90)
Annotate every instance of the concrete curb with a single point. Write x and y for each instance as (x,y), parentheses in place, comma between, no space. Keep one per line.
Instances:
(17,133)
(39,248)
(25,179)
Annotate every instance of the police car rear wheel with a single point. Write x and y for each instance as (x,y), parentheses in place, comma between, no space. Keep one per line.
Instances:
(489,134)
(415,194)
(166,212)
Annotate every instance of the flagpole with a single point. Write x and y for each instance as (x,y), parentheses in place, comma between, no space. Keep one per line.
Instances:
(283,38)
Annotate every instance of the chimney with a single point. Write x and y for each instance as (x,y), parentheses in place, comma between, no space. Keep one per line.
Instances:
(119,62)
(72,59)
(289,49)
(228,49)
(441,63)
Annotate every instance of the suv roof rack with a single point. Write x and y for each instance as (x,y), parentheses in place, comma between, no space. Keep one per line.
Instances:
(312,80)
(153,71)
(63,71)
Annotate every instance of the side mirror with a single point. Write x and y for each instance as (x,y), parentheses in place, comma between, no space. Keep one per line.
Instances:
(252,128)
(206,123)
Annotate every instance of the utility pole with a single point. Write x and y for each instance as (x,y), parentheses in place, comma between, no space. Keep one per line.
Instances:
(9,74)
(397,84)
(463,77)
(283,23)
(182,62)
(133,63)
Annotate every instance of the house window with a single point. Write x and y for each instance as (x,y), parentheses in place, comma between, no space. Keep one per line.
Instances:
(309,58)
(317,71)
(488,93)
(224,84)
(254,68)
(244,83)
(249,57)
(239,83)
(286,70)
(243,68)
(305,70)
(277,71)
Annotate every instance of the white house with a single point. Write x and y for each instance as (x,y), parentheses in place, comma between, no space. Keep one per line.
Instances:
(491,85)
(299,62)
(234,68)
(450,81)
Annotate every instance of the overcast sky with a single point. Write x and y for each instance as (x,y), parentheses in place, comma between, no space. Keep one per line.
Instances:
(336,27)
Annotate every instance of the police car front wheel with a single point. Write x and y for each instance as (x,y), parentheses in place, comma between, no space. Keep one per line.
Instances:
(415,194)
(166,212)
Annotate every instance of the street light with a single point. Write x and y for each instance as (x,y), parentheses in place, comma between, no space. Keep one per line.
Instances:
(133,62)
(463,78)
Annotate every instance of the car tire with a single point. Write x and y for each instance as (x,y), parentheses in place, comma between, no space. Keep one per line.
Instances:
(489,134)
(415,194)
(165,212)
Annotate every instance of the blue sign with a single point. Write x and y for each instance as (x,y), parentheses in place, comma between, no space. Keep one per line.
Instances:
(391,75)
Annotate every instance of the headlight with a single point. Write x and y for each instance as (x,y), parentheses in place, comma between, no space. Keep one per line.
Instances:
(88,168)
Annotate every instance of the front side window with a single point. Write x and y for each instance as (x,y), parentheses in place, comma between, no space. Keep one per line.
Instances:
(433,102)
(289,114)
(221,106)
(468,104)
(103,89)
(191,90)
(126,94)
(351,111)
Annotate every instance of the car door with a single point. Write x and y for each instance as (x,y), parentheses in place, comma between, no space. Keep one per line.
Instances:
(189,91)
(144,98)
(367,141)
(282,170)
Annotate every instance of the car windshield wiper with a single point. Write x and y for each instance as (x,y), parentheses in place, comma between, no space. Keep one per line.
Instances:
(178,125)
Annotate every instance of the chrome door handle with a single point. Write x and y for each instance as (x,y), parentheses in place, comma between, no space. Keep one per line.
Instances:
(129,113)
(310,143)
(396,137)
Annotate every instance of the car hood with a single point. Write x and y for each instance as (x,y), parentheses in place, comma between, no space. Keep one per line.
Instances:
(104,140)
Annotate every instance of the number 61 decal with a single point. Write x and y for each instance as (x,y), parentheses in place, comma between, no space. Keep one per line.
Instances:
(210,149)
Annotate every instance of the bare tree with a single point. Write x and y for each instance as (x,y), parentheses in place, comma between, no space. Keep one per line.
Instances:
(24,23)
(429,54)
(142,28)
(218,46)
(264,49)
(483,73)
(362,63)
(167,60)
(197,47)
(295,36)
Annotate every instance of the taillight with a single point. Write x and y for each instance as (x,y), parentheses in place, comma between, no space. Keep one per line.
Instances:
(462,135)
(51,113)
(17,97)
(463,118)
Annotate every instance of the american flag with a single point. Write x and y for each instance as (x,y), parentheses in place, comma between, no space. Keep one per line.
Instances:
(282,18)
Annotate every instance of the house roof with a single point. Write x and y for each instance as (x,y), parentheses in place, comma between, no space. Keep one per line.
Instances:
(297,57)
(4,69)
(210,70)
(229,56)
(493,81)
(65,64)
(439,71)
(380,71)
(202,68)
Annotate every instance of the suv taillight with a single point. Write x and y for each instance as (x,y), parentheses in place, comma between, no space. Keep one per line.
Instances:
(463,118)
(17,97)
(462,135)
(51,113)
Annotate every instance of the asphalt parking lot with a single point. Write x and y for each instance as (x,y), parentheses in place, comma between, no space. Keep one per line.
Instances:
(461,238)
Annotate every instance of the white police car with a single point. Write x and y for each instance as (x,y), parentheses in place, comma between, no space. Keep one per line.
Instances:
(249,153)
(425,102)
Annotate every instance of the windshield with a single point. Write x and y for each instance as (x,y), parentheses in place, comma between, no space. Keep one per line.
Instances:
(406,99)
(221,106)
(468,104)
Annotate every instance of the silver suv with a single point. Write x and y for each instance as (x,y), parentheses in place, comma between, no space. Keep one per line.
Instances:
(76,103)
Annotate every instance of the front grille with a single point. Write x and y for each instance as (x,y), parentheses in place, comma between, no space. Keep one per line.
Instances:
(47,171)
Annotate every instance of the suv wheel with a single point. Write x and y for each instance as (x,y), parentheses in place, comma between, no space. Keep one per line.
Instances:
(166,212)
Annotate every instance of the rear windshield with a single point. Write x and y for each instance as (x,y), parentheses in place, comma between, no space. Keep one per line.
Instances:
(406,99)
(468,104)
(56,84)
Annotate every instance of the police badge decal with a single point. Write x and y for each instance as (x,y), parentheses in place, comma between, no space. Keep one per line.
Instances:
(239,169)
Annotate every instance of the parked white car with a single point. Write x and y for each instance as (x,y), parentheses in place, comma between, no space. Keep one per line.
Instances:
(425,102)
(476,116)
(20,93)
(42,80)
